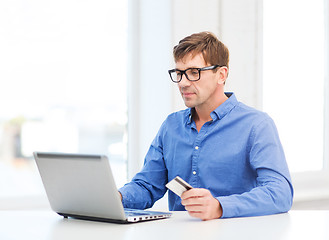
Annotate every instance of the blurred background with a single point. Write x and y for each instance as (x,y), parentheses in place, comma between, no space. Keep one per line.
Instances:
(91,77)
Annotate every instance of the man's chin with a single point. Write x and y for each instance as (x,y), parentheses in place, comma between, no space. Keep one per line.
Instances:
(189,104)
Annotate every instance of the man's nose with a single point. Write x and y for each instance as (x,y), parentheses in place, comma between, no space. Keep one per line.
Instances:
(184,82)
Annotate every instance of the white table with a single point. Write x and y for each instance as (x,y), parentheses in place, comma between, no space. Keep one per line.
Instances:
(39,225)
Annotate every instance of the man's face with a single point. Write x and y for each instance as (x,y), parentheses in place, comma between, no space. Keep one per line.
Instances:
(202,92)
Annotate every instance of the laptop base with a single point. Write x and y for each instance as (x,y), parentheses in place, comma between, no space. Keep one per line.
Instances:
(107,220)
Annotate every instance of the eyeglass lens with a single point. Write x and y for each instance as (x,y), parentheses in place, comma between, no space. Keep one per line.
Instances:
(192,74)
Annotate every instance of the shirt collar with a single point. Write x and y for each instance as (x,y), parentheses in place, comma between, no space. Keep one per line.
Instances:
(220,111)
(189,113)
(225,107)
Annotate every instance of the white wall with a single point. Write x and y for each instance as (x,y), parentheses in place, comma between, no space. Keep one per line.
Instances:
(241,30)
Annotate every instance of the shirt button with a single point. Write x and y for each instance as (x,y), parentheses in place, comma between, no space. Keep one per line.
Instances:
(196,148)
(194,172)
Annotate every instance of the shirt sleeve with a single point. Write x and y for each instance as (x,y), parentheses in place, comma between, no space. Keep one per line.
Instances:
(273,192)
(148,185)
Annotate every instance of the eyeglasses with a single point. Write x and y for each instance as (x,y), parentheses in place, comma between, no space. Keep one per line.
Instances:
(192,74)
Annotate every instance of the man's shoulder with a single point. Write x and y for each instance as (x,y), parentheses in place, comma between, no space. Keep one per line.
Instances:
(246,108)
(175,120)
(251,113)
(181,114)
(178,118)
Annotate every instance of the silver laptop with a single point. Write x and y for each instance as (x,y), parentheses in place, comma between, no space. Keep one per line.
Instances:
(82,186)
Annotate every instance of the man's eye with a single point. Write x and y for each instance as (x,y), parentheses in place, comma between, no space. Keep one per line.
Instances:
(178,73)
(194,71)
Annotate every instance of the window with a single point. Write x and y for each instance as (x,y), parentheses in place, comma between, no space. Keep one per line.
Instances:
(294,74)
(63,86)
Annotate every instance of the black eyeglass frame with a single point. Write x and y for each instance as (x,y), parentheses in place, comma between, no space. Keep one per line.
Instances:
(184,72)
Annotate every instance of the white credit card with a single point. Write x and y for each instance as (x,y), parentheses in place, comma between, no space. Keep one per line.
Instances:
(178,186)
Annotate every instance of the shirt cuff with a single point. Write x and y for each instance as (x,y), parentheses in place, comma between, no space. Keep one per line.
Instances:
(123,198)
(227,207)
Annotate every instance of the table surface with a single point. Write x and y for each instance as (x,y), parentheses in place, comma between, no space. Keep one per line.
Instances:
(39,225)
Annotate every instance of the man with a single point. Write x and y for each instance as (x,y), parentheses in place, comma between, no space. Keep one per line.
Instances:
(230,153)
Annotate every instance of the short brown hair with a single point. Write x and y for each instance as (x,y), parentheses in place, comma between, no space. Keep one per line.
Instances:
(214,51)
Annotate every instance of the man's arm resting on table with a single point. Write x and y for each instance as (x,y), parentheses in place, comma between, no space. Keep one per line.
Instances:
(200,203)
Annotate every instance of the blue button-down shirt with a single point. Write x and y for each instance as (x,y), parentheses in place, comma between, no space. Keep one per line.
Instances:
(237,156)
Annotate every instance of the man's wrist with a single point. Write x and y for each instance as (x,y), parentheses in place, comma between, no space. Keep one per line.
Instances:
(220,209)
(120,195)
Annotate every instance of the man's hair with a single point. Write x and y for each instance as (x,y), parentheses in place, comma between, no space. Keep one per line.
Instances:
(214,52)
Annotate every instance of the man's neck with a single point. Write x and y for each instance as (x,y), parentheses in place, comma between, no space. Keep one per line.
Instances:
(202,113)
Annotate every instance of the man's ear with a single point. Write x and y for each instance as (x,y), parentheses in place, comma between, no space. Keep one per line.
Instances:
(222,75)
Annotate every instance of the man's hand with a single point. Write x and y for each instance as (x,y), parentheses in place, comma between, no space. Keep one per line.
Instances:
(120,195)
(201,204)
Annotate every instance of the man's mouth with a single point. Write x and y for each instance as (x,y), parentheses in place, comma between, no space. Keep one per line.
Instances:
(187,94)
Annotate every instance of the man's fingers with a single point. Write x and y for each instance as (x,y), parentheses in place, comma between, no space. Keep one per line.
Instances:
(192,201)
(195,196)
(194,192)
(194,208)
(201,204)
